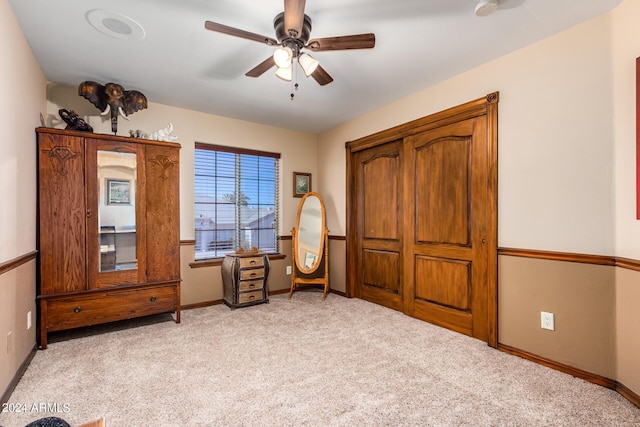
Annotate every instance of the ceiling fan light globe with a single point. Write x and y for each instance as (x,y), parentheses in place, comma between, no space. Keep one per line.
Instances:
(308,64)
(282,56)
(285,73)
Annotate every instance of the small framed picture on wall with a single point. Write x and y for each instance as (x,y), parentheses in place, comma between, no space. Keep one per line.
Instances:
(301,183)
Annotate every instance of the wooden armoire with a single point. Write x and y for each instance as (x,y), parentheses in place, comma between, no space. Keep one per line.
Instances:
(108,229)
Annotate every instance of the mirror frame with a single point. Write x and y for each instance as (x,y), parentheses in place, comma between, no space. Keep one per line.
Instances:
(299,264)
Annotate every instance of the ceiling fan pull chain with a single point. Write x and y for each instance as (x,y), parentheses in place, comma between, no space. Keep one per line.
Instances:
(294,78)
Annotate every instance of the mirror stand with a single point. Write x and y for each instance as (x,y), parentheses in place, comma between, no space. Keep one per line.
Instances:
(310,246)
(320,278)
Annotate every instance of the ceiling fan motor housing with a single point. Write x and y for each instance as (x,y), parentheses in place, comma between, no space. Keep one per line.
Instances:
(295,43)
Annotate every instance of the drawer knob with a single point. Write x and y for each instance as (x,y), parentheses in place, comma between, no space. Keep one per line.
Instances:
(253,285)
(253,274)
(253,262)
(77,309)
(252,297)
(152,299)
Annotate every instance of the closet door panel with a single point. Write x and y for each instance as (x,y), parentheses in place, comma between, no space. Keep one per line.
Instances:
(444,281)
(382,270)
(379,174)
(442,189)
(448,178)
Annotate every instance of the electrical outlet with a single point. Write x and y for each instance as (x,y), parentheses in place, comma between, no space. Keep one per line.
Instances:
(29,320)
(9,342)
(547,321)
(288,269)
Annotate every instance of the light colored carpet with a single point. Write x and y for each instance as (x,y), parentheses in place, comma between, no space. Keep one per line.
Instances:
(304,362)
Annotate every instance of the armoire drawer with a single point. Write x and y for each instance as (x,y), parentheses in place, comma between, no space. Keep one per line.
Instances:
(108,306)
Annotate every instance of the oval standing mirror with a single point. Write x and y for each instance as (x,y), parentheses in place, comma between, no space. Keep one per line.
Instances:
(309,245)
(310,227)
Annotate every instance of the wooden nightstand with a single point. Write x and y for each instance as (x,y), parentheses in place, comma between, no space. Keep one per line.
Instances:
(245,279)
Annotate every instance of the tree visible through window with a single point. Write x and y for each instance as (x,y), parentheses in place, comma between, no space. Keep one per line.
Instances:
(236,200)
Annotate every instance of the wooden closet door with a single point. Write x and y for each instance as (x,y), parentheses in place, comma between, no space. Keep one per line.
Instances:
(379,251)
(422,220)
(446,221)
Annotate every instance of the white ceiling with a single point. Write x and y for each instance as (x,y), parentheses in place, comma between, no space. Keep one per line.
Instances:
(179,63)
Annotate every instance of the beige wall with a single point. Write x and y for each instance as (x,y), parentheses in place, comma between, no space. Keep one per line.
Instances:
(17,298)
(555,140)
(582,299)
(627,324)
(337,265)
(23,89)
(626,48)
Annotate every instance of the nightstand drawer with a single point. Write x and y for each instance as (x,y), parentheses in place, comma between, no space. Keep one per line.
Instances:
(256,261)
(250,274)
(249,285)
(250,296)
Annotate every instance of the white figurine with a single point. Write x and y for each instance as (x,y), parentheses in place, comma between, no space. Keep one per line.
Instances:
(164,134)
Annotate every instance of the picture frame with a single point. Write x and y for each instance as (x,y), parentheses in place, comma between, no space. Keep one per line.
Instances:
(118,192)
(301,183)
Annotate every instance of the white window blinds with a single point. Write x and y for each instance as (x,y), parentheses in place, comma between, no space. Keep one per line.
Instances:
(236,200)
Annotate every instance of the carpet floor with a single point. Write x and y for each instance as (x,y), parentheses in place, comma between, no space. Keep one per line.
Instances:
(300,362)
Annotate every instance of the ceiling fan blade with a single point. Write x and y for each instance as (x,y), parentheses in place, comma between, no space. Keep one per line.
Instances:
(225,29)
(261,68)
(293,16)
(321,76)
(356,41)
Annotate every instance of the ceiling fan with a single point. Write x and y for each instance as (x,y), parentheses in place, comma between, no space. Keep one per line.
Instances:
(293,29)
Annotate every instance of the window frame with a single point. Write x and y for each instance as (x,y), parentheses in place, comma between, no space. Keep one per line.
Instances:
(237,151)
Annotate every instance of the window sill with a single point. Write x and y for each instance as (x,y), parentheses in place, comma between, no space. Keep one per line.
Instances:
(214,262)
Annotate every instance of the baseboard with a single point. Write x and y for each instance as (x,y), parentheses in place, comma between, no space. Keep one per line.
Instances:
(628,394)
(16,378)
(201,304)
(219,301)
(578,373)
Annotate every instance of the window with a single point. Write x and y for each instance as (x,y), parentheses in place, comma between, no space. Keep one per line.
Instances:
(236,200)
